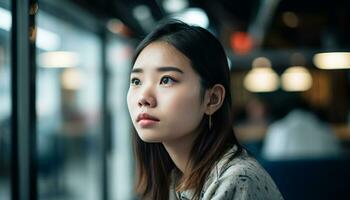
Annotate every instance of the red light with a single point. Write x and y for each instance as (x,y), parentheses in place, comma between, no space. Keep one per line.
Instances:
(241,43)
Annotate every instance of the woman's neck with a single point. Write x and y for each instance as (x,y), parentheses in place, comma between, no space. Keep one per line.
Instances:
(179,151)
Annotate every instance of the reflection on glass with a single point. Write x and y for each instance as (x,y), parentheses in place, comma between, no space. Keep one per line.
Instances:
(5,100)
(121,175)
(68,108)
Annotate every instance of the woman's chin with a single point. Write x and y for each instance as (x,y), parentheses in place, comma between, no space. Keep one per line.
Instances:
(150,137)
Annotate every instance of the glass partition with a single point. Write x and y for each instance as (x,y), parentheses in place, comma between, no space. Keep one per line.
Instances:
(121,179)
(68,110)
(5,100)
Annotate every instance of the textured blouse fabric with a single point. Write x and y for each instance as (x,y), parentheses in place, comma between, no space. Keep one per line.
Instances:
(240,178)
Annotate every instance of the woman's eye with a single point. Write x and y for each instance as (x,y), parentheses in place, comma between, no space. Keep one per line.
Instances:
(135,81)
(167,80)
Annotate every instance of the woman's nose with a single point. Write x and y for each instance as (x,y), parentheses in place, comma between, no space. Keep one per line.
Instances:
(147,99)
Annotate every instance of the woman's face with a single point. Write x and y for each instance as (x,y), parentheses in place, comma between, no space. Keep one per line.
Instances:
(164,98)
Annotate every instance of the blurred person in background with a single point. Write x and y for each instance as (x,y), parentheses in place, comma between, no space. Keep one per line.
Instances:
(300,134)
(179,101)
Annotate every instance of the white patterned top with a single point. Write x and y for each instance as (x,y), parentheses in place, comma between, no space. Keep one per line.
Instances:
(240,178)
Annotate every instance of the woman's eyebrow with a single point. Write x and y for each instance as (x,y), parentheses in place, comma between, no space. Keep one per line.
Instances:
(159,69)
(169,68)
(136,70)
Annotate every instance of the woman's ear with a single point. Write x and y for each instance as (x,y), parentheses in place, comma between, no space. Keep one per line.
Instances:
(214,98)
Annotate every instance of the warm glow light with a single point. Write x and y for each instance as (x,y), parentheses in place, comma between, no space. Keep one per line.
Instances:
(296,78)
(71,79)
(261,62)
(193,16)
(58,59)
(118,27)
(115,25)
(261,79)
(333,60)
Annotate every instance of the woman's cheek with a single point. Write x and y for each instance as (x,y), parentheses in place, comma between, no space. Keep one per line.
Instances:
(131,102)
(184,107)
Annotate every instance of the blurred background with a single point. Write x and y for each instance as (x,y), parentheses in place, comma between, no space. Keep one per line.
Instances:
(289,62)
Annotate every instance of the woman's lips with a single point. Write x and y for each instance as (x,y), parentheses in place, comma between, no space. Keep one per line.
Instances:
(146,120)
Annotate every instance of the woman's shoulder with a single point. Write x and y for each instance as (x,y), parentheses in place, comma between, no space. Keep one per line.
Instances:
(239,176)
(242,163)
(235,162)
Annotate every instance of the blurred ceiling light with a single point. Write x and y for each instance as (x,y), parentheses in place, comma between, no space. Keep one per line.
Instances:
(58,59)
(261,62)
(332,60)
(193,16)
(118,27)
(262,78)
(290,19)
(47,40)
(143,14)
(71,79)
(296,78)
(241,42)
(173,6)
(6,20)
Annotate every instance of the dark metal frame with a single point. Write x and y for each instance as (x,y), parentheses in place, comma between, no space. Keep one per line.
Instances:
(23,94)
(23,120)
(106,126)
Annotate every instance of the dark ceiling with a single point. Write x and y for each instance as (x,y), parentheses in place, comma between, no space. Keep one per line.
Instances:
(318,19)
(322,24)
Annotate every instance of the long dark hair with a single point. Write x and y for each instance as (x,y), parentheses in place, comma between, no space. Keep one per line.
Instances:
(209,60)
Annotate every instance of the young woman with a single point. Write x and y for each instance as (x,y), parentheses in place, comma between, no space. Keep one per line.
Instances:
(180,105)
